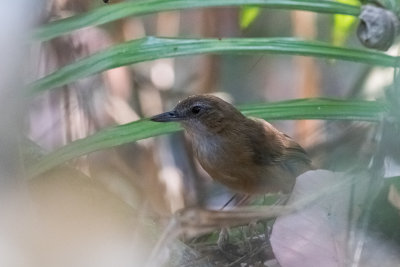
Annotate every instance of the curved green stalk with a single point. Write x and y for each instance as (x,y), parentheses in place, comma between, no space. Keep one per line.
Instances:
(108,13)
(324,109)
(151,48)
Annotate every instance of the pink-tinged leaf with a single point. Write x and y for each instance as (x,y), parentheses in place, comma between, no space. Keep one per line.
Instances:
(316,234)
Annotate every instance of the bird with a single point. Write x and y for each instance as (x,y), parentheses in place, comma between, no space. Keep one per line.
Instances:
(247,155)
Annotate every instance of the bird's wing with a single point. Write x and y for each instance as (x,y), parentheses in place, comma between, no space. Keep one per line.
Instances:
(266,143)
(294,150)
(285,151)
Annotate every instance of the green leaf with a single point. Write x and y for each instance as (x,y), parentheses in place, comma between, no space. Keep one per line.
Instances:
(109,13)
(150,48)
(317,108)
(326,109)
(343,24)
(394,180)
(248,15)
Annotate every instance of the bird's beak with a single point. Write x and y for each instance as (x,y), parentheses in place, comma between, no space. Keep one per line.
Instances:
(167,116)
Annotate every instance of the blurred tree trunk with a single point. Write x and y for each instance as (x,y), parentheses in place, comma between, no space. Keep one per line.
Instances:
(307,74)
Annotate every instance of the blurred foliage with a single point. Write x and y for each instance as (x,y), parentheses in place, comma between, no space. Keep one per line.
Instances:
(393,5)
(385,217)
(247,16)
(153,48)
(343,24)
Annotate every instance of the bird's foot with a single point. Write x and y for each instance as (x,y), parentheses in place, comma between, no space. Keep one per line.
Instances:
(223,239)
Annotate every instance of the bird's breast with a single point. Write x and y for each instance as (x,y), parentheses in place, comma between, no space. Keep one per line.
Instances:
(208,149)
(225,161)
(232,164)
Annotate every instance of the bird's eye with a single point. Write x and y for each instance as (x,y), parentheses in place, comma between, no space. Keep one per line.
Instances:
(195,109)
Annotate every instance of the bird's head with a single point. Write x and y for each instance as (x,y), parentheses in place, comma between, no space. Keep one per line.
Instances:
(202,114)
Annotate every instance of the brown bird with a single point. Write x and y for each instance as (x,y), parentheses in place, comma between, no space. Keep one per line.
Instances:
(247,155)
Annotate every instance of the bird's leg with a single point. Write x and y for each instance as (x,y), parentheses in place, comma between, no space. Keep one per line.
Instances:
(246,238)
(229,201)
(223,238)
(237,200)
